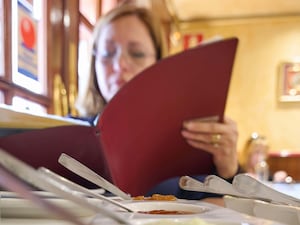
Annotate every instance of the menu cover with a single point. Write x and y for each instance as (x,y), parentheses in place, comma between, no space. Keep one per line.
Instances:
(137,142)
(140,128)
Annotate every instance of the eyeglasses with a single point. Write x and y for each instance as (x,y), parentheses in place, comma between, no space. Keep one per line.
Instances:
(132,56)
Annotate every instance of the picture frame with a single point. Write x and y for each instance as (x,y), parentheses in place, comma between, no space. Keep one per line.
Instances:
(289,82)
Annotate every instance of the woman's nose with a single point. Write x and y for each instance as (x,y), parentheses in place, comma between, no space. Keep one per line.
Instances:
(121,62)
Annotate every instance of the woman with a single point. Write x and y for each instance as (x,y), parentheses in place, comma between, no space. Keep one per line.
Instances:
(126,41)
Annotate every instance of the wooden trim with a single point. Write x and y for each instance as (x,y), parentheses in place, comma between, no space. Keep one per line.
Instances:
(289,164)
(55,36)
(12,89)
(85,21)
(71,39)
(48,57)
(7,40)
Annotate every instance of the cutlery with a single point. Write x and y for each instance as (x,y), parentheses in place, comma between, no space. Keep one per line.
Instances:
(14,184)
(217,185)
(85,172)
(253,188)
(211,184)
(52,175)
(29,174)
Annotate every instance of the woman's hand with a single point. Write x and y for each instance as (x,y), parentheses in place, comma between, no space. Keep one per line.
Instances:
(219,139)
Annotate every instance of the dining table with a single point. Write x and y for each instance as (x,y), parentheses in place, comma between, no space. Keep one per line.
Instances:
(15,210)
(18,211)
(292,189)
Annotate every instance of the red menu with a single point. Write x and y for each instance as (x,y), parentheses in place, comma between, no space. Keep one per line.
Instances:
(140,128)
(137,142)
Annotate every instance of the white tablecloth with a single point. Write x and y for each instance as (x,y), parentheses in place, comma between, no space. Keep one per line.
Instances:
(214,214)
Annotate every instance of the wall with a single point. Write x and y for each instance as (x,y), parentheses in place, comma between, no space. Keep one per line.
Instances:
(264,42)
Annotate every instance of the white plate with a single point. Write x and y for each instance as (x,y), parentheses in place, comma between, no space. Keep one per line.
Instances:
(205,211)
(142,207)
(214,220)
(178,221)
(186,221)
(22,208)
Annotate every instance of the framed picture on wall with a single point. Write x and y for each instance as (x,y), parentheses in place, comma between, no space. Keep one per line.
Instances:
(289,82)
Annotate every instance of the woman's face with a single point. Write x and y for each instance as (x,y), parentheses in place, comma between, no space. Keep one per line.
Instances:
(125,48)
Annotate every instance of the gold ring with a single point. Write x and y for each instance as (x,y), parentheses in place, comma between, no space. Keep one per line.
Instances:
(215,139)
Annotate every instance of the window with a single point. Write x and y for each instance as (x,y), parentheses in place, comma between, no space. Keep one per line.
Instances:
(1,97)
(39,43)
(23,104)
(22,71)
(90,11)
(85,34)
(26,44)
(43,40)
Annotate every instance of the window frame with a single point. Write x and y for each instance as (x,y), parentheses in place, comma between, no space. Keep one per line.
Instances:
(9,88)
(61,44)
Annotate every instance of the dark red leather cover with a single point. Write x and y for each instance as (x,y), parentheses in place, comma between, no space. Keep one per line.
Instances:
(43,148)
(140,127)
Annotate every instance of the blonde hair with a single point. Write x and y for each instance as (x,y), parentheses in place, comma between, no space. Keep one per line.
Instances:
(255,139)
(90,101)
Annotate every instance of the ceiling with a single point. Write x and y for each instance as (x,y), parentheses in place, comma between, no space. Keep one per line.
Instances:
(188,10)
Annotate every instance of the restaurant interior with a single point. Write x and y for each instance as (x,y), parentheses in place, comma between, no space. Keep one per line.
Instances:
(258,98)
(264,92)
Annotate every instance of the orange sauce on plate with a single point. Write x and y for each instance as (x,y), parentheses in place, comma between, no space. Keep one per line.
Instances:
(166,212)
